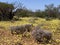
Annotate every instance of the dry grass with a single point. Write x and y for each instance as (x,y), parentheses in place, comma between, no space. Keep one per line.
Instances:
(7,39)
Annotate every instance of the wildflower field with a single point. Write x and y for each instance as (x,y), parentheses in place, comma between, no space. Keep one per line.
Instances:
(7,39)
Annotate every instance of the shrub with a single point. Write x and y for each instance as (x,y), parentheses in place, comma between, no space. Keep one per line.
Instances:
(41,35)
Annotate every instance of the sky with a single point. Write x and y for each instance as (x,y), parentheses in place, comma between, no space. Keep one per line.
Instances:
(34,4)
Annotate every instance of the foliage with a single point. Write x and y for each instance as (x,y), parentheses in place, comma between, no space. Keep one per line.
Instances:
(6,11)
(50,12)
